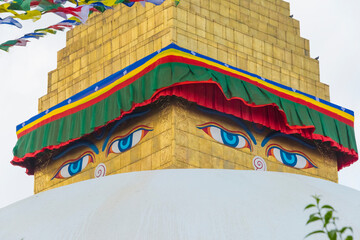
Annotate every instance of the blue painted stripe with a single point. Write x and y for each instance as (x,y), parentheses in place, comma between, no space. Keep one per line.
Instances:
(112,78)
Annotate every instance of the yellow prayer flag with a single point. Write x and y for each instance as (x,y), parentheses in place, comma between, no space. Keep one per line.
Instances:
(108,3)
(75,19)
(33,14)
(46,30)
(4,8)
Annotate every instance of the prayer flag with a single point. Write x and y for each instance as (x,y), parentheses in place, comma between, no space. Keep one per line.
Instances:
(21,42)
(80,14)
(9,20)
(84,13)
(100,4)
(61,14)
(34,35)
(4,8)
(156,2)
(33,14)
(6,45)
(68,23)
(20,5)
(45,30)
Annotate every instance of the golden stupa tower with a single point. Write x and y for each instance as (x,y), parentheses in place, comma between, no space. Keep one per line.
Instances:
(255,42)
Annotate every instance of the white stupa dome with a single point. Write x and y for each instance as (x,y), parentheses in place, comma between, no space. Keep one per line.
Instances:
(180,204)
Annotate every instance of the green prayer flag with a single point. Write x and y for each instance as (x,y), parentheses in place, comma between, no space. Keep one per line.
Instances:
(46,6)
(6,45)
(20,5)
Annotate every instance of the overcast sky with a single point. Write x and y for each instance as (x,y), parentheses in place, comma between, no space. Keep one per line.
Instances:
(332,26)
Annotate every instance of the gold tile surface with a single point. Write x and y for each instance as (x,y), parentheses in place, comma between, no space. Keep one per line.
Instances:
(255,35)
(176,142)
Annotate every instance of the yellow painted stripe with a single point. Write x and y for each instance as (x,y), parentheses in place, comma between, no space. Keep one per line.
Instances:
(95,94)
(189,56)
(288,92)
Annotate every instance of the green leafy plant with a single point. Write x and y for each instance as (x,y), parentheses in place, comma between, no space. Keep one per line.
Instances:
(325,215)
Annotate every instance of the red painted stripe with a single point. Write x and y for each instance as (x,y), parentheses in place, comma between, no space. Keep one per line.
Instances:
(276,121)
(172,58)
(276,92)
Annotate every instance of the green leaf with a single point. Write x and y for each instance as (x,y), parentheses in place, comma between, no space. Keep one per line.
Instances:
(327,217)
(317,198)
(309,206)
(332,235)
(314,232)
(328,206)
(349,238)
(315,214)
(312,219)
(344,229)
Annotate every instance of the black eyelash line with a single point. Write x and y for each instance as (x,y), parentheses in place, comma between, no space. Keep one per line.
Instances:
(235,119)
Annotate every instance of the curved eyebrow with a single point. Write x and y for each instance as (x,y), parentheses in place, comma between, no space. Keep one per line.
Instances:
(126,117)
(279,134)
(78,144)
(235,119)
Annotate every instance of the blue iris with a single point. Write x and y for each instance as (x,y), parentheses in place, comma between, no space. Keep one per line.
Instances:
(229,139)
(288,158)
(125,143)
(75,167)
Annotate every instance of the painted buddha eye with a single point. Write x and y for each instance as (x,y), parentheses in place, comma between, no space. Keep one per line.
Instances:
(290,158)
(123,143)
(72,167)
(226,137)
